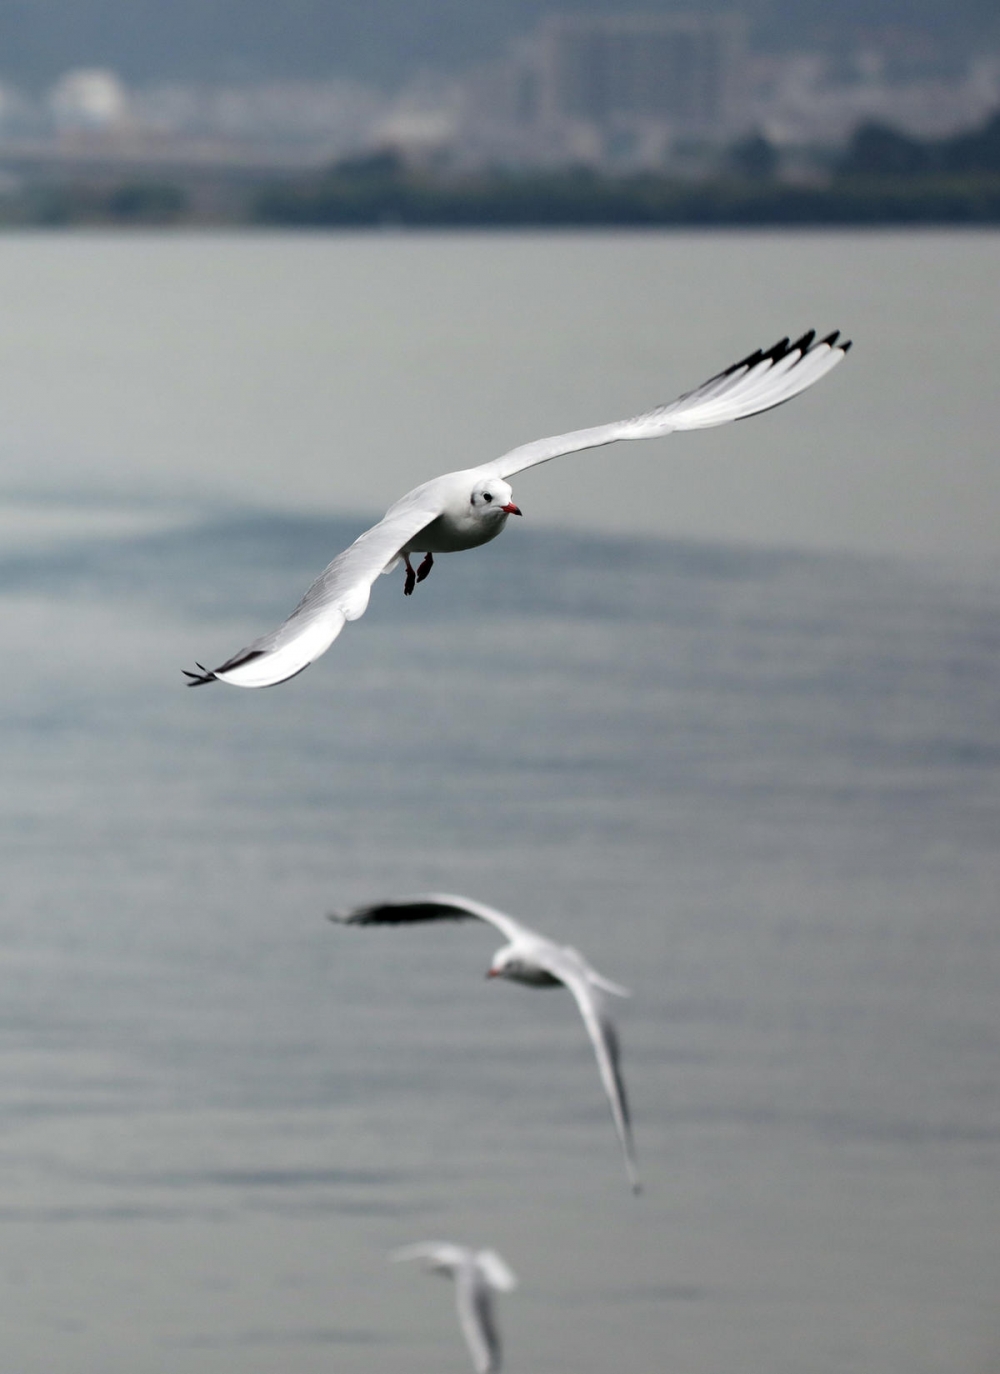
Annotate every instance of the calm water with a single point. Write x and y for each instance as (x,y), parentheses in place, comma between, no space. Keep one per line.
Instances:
(759,786)
(334,373)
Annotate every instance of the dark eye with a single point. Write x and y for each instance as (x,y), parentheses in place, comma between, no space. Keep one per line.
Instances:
(487,496)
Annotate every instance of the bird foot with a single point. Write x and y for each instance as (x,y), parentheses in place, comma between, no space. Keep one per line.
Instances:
(425,567)
(411,577)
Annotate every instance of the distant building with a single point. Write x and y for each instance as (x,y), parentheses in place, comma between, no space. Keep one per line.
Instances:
(679,70)
(609,90)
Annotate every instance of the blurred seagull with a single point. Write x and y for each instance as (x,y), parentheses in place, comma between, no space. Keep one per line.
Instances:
(462,510)
(477,1274)
(529,958)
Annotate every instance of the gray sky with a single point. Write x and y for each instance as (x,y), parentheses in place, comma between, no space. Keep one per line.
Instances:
(387,38)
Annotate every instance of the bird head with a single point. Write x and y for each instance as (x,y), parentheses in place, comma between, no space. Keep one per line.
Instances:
(493,496)
(504,965)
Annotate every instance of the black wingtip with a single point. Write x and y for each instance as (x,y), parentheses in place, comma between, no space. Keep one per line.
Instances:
(200,678)
(751,360)
(783,347)
(778,351)
(831,340)
(805,343)
(205,675)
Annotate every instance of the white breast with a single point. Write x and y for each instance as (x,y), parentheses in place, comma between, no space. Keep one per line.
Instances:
(464,526)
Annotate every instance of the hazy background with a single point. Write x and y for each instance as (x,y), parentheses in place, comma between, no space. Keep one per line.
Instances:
(385,39)
(185,109)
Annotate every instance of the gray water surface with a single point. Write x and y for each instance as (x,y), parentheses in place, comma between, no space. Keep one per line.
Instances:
(759,788)
(754,778)
(331,373)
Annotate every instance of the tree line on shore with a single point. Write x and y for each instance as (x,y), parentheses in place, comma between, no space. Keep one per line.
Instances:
(884,176)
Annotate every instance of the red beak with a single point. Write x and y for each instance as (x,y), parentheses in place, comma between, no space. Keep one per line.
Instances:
(491,972)
(510,509)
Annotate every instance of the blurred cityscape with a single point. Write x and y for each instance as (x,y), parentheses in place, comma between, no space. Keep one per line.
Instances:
(680,95)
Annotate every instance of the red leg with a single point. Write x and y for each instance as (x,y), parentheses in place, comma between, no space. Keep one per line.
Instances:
(411,576)
(425,567)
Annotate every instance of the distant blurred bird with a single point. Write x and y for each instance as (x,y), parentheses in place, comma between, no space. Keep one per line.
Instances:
(461,510)
(477,1274)
(529,958)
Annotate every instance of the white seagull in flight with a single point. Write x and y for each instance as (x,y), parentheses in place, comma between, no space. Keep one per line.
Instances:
(529,958)
(461,510)
(477,1274)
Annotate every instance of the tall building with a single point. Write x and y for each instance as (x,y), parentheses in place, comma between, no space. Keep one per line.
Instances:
(614,91)
(680,70)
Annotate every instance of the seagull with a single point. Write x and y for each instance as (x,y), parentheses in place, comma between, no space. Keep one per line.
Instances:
(477,1274)
(461,510)
(532,959)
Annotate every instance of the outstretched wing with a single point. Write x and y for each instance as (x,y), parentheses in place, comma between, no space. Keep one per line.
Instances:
(437,1254)
(475,1274)
(339,594)
(604,1039)
(759,382)
(475,1314)
(429,906)
(496,1270)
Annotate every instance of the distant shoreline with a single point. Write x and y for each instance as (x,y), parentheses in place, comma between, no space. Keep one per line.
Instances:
(566,200)
(646,205)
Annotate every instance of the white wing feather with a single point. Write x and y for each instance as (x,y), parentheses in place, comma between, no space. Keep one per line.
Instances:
(475,1315)
(604,1039)
(431,906)
(338,595)
(757,383)
(440,1254)
(497,1271)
